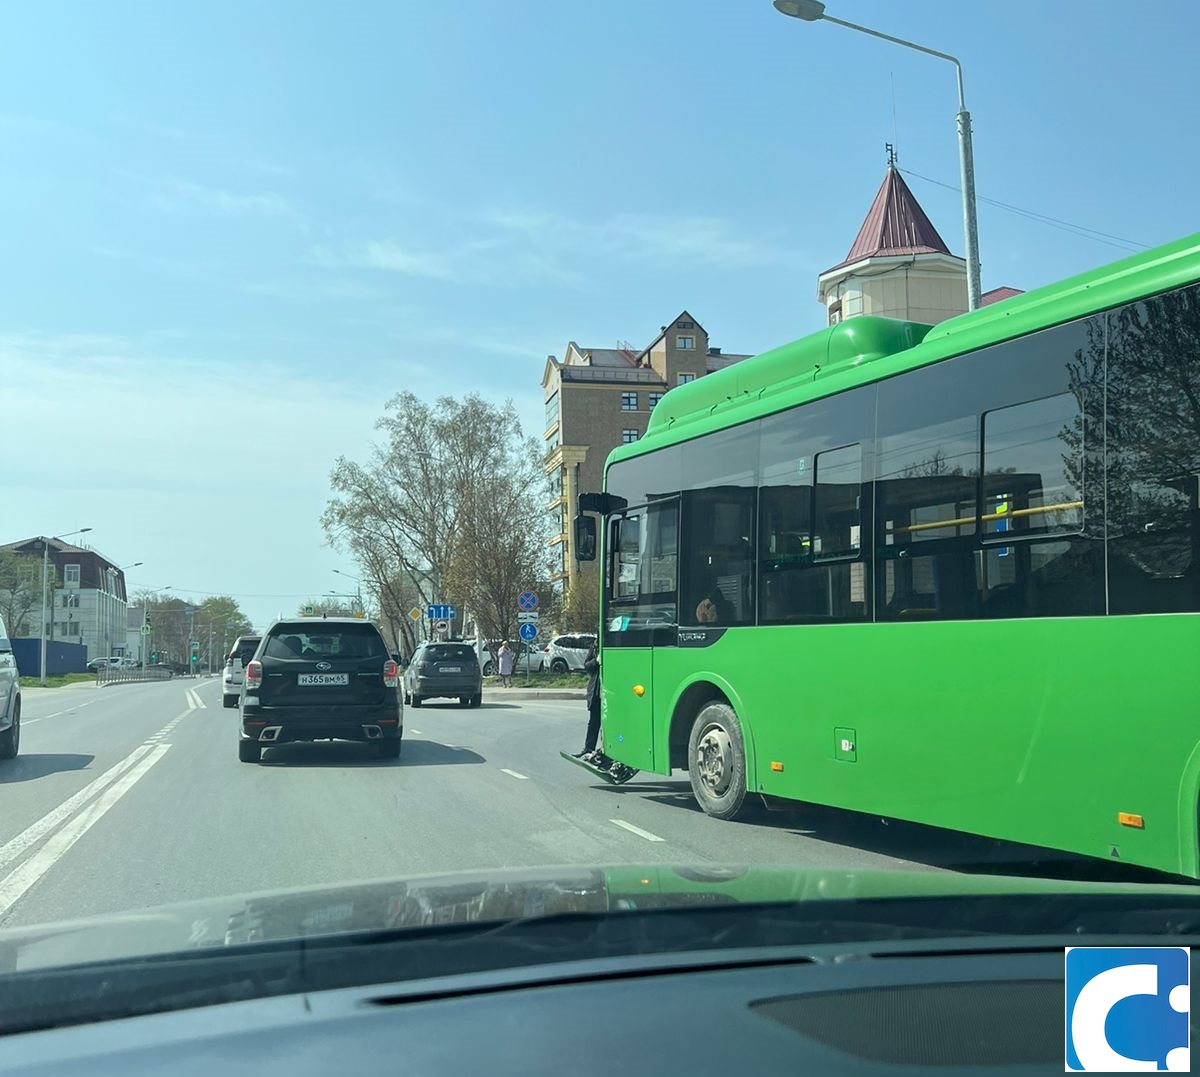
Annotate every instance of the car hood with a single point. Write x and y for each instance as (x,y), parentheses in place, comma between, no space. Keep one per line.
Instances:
(497,897)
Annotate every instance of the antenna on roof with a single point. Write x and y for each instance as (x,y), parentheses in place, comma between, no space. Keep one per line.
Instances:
(892,155)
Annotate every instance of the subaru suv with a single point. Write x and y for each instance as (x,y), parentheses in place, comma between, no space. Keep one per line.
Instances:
(10,698)
(321,678)
(235,668)
(446,671)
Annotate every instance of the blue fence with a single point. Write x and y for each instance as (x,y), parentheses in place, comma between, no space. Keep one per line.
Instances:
(60,657)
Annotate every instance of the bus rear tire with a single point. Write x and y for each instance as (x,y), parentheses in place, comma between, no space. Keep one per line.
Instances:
(717,762)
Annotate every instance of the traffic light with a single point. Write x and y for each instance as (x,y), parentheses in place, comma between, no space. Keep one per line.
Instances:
(195,652)
(147,621)
(154,656)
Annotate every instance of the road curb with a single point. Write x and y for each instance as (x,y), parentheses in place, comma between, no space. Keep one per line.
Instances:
(533,693)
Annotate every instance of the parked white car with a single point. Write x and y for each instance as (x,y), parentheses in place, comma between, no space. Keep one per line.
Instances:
(567,653)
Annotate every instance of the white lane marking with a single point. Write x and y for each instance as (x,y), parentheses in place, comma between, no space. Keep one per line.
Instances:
(30,721)
(34,833)
(67,710)
(194,701)
(636,830)
(417,731)
(522,777)
(14,886)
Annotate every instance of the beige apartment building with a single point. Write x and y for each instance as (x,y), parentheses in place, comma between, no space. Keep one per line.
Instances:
(599,398)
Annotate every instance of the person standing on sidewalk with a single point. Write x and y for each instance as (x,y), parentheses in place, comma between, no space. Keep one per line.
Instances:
(507,660)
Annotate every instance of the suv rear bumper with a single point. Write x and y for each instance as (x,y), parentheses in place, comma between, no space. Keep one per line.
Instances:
(446,687)
(280,725)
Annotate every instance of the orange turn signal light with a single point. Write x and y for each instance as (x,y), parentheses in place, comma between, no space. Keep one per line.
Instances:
(639,690)
(776,765)
(1126,818)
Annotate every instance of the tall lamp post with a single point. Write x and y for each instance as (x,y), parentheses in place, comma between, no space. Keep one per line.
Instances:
(814,11)
(45,570)
(358,582)
(113,571)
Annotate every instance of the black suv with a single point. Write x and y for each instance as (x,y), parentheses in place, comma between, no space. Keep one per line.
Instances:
(321,678)
(445,670)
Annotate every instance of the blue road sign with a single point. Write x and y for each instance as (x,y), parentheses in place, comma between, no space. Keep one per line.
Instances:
(527,600)
(528,632)
(440,613)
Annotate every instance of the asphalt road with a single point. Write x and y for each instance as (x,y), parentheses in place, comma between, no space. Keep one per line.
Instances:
(132,795)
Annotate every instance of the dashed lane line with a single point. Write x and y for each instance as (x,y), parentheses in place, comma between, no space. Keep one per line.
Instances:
(513,773)
(635,830)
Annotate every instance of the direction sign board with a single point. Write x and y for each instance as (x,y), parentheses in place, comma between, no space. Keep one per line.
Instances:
(415,613)
(528,618)
(441,626)
(309,611)
(527,600)
(528,632)
(440,613)
(145,630)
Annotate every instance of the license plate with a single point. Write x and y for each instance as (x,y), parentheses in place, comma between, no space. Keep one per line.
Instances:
(323,678)
(451,669)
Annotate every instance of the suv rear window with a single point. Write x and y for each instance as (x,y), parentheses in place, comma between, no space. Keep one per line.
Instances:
(441,652)
(245,650)
(325,641)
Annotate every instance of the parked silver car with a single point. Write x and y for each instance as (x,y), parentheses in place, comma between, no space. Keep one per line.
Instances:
(234,674)
(10,698)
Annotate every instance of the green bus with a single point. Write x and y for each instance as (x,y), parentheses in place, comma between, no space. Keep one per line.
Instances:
(943,574)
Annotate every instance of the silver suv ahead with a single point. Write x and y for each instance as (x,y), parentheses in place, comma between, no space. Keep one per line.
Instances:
(10,698)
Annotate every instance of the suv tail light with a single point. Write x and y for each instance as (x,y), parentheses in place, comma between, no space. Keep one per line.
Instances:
(391,674)
(254,675)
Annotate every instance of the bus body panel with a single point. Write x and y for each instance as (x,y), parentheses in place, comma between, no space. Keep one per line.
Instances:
(1030,731)
(987,545)
(626,718)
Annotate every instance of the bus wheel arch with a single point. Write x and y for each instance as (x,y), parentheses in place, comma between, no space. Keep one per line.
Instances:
(717,761)
(688,705)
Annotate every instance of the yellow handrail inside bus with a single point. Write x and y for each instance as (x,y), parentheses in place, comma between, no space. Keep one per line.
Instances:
(1013,514)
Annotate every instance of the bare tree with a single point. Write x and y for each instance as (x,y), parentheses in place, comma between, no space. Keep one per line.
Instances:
(449,508)
(21,592)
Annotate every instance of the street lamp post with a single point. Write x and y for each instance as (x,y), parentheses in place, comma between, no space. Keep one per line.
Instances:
(112,571)
(814,11)
(45,569)
(359,588)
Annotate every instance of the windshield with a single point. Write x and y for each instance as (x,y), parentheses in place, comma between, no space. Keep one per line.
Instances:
(629,435)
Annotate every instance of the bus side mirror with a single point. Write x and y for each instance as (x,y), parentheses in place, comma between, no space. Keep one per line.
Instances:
(585,538)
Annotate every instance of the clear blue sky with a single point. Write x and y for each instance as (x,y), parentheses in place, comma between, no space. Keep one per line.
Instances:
(230,222)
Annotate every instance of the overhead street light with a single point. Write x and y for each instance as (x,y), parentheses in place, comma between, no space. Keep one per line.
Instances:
(814,11)
(45,569)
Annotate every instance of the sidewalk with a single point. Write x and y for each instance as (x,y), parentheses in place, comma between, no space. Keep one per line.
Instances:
(43,693)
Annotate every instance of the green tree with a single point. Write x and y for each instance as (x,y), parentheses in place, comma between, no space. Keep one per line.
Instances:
(217,622)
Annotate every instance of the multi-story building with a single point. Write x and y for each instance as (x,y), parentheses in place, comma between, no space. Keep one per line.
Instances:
(89,603)
(599,398)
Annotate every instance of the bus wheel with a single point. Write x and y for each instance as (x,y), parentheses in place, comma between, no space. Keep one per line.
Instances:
(717,761)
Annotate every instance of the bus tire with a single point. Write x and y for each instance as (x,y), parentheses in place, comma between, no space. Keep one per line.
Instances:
(717,762)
